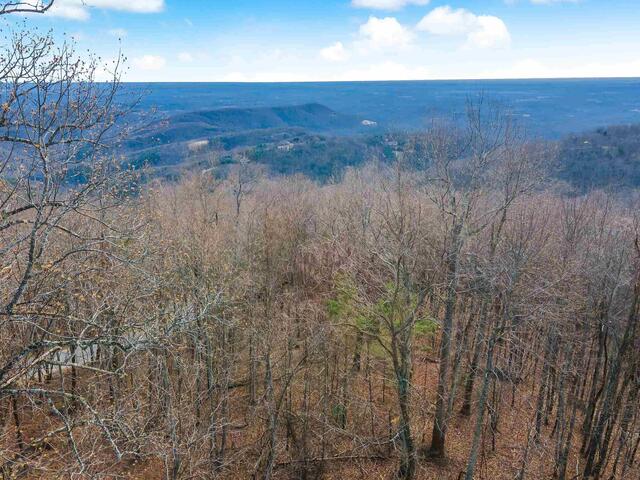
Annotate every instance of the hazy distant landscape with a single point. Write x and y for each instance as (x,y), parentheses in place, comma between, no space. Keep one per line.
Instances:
(319,280)
(547,108)
(319,129)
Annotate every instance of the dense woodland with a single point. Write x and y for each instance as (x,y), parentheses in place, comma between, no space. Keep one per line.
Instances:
(448,314)
(606,158)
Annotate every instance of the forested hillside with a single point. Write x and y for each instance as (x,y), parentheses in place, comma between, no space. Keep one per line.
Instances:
(436,309)
(606,158)
(312,141)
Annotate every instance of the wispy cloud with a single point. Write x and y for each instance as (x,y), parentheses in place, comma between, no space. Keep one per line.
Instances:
(541,2)
(388,70)
(81,9)
(185,57)
(548,2)
(150,62)
(387,4)
(118,32)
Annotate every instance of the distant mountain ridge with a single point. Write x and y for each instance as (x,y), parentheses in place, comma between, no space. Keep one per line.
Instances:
(548,109)
(311,116)
(209,124)
(186,136)
(315,140)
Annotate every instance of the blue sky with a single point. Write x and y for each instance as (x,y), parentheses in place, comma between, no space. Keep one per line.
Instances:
(326,40)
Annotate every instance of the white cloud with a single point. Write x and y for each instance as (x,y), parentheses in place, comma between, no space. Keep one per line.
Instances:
(80,9)
(71,9)
(492,32)
(150,62)
(387,4)
(378,35)
(383,33)
(185,57)
(483,31)
(118,32)
(335,53)
(445,21)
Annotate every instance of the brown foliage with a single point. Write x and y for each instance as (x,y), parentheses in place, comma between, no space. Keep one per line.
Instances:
(251,327)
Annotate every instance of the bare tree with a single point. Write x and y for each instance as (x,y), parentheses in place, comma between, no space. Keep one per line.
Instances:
(38,6)
(58,190)
(463,165)
(243,177)
(276,327)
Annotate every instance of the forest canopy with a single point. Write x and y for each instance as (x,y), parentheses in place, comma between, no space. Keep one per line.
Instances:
(441,311)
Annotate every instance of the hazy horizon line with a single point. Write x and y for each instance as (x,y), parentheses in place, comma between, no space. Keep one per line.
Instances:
(383,81)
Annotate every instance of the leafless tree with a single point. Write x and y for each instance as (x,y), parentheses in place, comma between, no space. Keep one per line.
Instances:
(59,189)
(38,6)
(244,326)
(466,166)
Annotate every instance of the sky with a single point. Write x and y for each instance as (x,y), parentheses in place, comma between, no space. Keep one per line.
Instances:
(339,40)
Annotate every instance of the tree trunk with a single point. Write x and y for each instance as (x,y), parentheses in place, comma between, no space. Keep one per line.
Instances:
(438,437)
(477,434)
